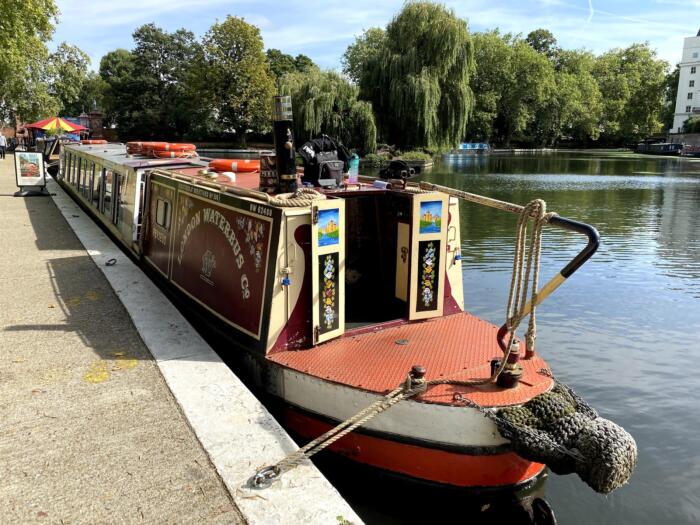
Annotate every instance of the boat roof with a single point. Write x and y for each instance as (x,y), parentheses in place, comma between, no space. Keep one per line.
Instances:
(116,153)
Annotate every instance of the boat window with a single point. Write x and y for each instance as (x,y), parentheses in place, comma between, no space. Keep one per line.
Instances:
(87,181)
(118,195)
(163,213)
(96,185)
(76,171)
(66,166)
(108,182)
(82,165)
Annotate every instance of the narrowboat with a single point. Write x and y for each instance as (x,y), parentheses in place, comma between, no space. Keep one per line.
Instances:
(331,296)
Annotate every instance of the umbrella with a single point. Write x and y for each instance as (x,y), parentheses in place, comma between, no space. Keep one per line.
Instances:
(56,123)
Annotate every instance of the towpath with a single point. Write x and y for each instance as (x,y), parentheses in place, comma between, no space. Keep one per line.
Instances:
(89,431)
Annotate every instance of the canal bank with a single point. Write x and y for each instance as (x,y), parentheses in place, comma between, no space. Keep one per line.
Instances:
(113,408)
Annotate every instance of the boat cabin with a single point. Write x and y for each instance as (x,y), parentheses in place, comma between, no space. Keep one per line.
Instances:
(276,274)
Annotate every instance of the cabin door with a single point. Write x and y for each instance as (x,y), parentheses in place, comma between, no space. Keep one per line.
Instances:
(328,269)
(429,218)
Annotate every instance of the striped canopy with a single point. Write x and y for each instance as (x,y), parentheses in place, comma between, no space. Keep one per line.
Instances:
(56,123)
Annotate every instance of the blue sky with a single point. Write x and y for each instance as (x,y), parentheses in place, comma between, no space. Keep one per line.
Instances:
(322,29)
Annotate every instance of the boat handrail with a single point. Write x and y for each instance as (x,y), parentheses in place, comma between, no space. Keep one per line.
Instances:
(555,220)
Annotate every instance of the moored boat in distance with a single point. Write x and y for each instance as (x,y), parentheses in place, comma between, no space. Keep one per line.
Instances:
(333,297)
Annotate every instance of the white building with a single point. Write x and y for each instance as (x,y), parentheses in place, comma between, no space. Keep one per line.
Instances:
(688,99)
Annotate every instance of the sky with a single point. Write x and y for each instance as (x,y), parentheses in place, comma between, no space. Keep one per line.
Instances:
(322,29)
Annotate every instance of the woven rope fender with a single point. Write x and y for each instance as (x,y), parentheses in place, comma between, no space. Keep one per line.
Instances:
(559,429)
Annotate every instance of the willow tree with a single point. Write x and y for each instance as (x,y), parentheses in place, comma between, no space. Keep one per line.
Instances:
(419,81)
(324,102)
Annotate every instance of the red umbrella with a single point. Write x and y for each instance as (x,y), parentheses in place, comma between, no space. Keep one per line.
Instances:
(56,123)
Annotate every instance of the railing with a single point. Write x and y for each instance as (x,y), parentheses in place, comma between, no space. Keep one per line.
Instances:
(560,222)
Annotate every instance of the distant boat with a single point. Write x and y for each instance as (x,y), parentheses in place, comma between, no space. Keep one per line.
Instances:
(659,148)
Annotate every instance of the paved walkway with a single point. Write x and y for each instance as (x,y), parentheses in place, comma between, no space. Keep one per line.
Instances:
(89,431)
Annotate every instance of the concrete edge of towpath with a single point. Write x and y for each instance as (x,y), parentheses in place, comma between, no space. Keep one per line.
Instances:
(235,429)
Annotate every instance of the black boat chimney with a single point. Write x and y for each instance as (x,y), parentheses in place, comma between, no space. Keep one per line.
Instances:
(284,144)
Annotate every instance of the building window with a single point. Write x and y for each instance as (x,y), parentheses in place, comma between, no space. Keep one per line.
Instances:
(692,83)
(690,96)
(695,55)
(687,109)
(692,70)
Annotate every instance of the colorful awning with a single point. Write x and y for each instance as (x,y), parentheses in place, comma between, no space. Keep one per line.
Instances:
(56,123)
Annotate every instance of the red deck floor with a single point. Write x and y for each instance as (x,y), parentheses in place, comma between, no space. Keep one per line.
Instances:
(458,346)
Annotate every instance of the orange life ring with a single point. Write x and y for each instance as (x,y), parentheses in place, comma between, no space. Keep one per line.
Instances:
(174,154)
(134,147)
(235,165)
(174,146)
(93,141)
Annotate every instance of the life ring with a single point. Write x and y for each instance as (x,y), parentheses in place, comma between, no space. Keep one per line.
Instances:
(174,154)
(134,147)
(235,165)
(93,141)
(174,146)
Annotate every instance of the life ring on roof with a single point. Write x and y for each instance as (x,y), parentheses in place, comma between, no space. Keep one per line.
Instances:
(235,165)
(93,141)
(134,147)
(174,154)
(175,146)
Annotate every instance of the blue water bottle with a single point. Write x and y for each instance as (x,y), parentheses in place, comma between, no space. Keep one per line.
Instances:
(353,169)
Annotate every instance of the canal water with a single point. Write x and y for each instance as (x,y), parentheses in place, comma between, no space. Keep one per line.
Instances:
(624,331)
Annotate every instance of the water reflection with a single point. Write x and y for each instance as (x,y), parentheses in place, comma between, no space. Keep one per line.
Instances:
(622,330)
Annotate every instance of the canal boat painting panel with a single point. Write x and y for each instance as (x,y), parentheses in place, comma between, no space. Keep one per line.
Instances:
(427,275)
(328,269)
(220,255)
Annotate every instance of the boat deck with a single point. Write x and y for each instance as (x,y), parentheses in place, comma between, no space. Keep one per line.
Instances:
(459,346)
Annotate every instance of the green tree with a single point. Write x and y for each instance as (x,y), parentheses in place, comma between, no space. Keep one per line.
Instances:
(670,95)
(303,63)
(543,41)
(68,67)
(692,125)
(632,82)
(492,54)
(356,56)
(25,27)
(239,83)
(324,102)
(572,109)
(120,93)
(148,90)
(419,81)
(162,65)
(280,63)
(513,83)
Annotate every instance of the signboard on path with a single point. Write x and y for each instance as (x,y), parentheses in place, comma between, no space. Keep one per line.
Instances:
(30,174)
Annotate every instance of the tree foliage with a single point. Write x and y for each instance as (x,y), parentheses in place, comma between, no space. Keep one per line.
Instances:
(25,27)
(534,93)
(236,77)
(544,42)
(418,82)
(513,84)
(692,125)
(68,69)
(324,102)
(282,63)
(365,47)
(632,82)
(670,95)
